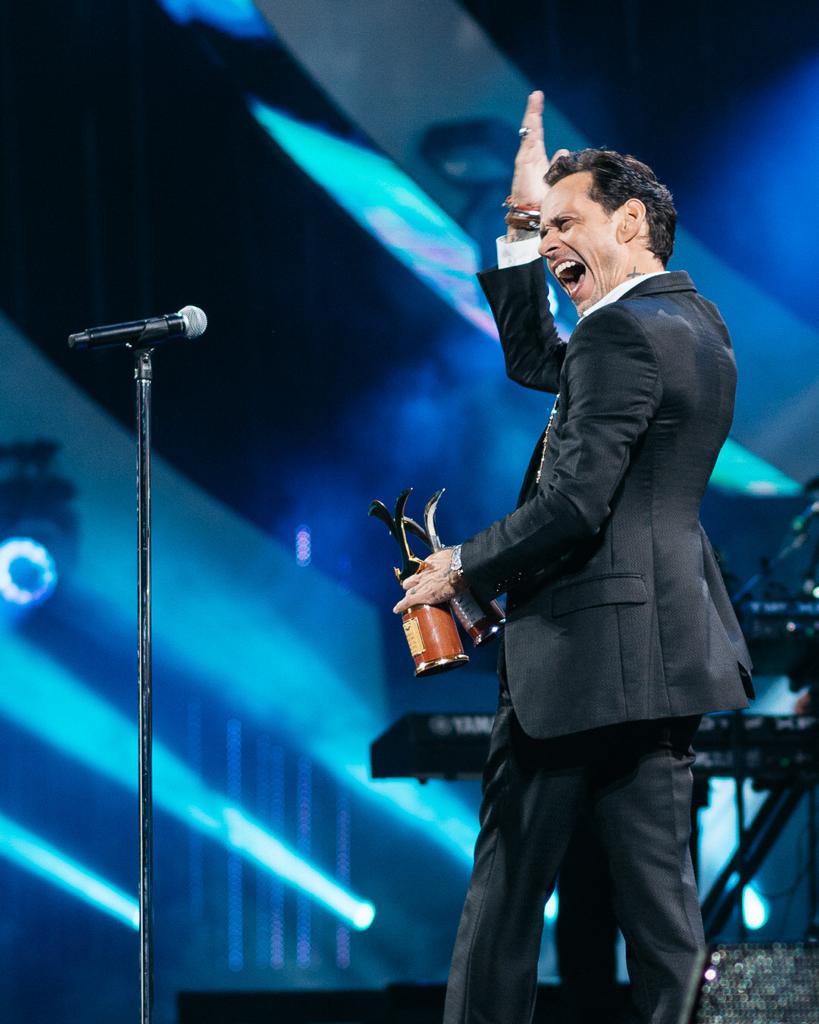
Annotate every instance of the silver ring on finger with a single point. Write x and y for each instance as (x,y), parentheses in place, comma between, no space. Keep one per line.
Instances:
(523,132)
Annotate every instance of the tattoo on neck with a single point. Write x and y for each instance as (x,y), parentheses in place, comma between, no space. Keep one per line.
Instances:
(634,272)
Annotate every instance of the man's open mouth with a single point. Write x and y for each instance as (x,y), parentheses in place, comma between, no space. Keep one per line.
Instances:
(571,274)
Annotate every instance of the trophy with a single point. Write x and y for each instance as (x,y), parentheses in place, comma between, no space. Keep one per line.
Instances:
(431,633)
(480,619)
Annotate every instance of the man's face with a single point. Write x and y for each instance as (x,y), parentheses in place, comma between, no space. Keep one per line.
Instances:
(579,242)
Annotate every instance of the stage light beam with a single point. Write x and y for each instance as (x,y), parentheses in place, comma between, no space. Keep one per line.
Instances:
(44,698)
(238,18)
(388,204)
(266,850)
(32,853)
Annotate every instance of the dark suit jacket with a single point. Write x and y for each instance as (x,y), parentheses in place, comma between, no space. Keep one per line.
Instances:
(616,609)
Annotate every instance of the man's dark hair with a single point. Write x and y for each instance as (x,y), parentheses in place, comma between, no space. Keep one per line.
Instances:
(616,179)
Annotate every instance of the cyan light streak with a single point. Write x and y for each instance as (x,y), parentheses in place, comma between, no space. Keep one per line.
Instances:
(388,204)
(237,18)
(41,696)
(34,854)
(459,828)
(738,470)
(267,850)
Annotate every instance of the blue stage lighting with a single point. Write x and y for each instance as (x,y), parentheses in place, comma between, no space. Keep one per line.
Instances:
(452,823)
(262,847)
(237,18)
(303,546)
(28,851)
(28,574)
(755,910)
(53,703)
(390,206)
(204,542)
(739,471)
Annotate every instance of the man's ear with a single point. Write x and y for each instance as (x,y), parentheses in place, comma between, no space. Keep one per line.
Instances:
(632,216)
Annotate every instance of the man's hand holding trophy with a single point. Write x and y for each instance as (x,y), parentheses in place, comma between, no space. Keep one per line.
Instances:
(435,591)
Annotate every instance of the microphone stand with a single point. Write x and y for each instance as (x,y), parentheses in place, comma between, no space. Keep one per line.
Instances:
(142,336)
(143,373)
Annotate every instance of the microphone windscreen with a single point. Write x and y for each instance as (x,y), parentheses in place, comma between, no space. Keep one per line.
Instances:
(196,320)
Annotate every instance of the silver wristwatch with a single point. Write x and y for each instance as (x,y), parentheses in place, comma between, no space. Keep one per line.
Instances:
(456,571)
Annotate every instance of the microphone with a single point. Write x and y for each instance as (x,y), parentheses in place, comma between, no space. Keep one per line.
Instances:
(801,522)
(189,322)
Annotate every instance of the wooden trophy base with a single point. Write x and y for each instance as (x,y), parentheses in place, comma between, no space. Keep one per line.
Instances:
(433,639)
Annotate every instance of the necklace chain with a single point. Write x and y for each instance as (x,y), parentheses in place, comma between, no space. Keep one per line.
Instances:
(546,433)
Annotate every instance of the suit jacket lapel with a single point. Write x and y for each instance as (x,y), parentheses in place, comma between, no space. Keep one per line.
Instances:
(675,281)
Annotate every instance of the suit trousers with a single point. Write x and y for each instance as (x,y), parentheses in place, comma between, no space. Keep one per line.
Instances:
(586,931)
(634,780)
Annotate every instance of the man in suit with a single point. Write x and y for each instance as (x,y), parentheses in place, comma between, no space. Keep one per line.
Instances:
(619,633)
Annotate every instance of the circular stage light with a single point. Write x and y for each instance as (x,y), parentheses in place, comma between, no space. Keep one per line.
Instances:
(363,916)
(28,574)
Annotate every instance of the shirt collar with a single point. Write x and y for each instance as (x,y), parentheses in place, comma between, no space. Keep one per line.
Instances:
(620,290)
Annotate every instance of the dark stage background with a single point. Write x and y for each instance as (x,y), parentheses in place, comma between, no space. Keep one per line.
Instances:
(323,178)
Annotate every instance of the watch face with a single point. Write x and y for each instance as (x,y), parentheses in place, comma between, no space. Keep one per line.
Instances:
(455,564)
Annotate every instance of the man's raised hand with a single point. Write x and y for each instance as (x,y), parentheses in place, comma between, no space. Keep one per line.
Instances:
(531,162)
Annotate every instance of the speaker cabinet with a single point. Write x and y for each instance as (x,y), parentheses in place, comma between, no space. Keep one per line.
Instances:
(755,984)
